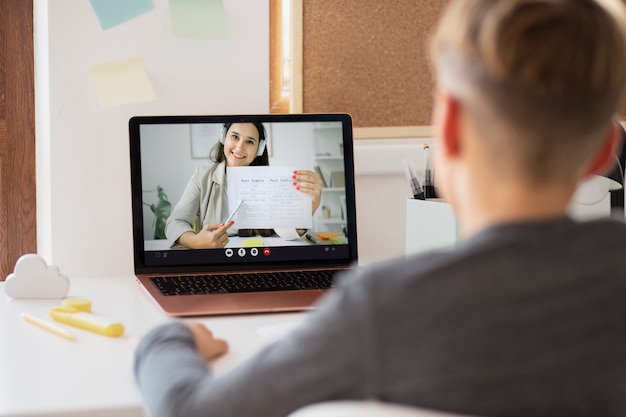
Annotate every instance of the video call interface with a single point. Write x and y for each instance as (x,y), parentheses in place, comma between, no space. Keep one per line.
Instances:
(274,219)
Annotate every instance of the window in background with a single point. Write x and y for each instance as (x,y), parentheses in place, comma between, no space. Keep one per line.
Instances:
(285,67)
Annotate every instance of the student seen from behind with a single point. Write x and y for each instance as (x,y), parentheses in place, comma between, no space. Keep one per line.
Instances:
(525,317)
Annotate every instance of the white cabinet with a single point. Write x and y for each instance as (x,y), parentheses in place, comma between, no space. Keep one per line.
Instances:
(330,216)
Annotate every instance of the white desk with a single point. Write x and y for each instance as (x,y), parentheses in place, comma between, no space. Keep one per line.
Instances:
(42,374)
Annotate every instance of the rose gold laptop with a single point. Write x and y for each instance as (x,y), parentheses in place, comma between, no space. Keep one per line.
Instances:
(266,271)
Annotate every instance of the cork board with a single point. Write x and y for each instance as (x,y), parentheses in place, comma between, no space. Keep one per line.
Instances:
(370,59)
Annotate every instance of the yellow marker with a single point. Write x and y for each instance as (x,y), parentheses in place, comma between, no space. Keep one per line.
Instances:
(48,326)
(86,321)
(80,304)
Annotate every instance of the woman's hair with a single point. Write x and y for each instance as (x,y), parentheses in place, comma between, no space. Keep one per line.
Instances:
(217,152)
(540,79)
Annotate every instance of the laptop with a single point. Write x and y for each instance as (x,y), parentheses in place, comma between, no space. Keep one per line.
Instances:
(280,256)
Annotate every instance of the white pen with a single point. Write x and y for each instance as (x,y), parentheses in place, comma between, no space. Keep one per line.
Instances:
(234,211)
(43,324)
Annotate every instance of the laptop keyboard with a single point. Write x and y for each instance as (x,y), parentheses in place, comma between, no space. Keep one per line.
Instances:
(238,283)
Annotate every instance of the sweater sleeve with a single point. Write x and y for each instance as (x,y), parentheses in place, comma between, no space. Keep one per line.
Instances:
(185,212)
(331,356)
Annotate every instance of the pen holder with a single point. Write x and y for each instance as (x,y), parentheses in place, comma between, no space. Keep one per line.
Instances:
(430,224)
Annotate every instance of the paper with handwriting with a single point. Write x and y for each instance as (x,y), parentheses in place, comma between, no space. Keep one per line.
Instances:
(270,198)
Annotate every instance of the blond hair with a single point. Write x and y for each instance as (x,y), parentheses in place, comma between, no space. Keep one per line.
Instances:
(540,78)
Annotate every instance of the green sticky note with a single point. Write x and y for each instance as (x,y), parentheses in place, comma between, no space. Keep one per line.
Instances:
(201,19)
(121,82)
(339,240)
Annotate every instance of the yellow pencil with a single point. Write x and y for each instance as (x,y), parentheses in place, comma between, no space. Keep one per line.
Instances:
(59,331)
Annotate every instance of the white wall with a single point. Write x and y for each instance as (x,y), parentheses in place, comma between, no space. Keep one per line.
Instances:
(83,169)
(161,155)
(84,209)
(381,193)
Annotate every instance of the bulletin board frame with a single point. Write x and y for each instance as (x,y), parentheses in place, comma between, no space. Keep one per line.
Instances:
(352,57)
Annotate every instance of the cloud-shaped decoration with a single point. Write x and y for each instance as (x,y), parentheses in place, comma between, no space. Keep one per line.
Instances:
(33,278)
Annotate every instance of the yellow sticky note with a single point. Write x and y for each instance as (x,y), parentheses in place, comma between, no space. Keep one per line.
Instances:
(253,243)
(202,19)
(121,82)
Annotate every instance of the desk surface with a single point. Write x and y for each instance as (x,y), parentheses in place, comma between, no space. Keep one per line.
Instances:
(42,374)
(236,242)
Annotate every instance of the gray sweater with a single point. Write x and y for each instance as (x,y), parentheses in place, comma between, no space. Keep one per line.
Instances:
(521,320)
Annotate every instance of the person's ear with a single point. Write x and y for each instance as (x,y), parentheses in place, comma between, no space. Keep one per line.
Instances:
(447,121)
(605,156)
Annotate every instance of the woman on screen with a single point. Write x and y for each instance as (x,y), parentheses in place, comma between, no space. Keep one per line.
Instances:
(205,201)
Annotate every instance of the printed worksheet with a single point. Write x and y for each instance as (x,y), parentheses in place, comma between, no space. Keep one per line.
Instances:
(267,198)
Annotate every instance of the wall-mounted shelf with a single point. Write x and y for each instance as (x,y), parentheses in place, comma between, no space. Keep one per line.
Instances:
(329,164)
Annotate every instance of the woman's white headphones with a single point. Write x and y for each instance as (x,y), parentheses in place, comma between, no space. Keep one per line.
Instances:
(259,127)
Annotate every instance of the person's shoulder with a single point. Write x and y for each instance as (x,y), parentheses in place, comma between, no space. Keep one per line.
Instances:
(208,170)
(491,266)
(603,232)
(408,271)
(615,226)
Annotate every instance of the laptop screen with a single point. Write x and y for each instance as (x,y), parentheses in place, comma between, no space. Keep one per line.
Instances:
(287,182)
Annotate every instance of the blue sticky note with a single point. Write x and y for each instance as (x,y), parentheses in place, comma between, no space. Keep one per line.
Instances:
(113,12)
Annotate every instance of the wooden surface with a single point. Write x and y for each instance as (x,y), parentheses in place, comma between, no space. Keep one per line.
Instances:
(18,232)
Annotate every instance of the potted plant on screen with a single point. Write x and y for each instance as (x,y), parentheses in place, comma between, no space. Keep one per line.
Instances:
(162,210)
